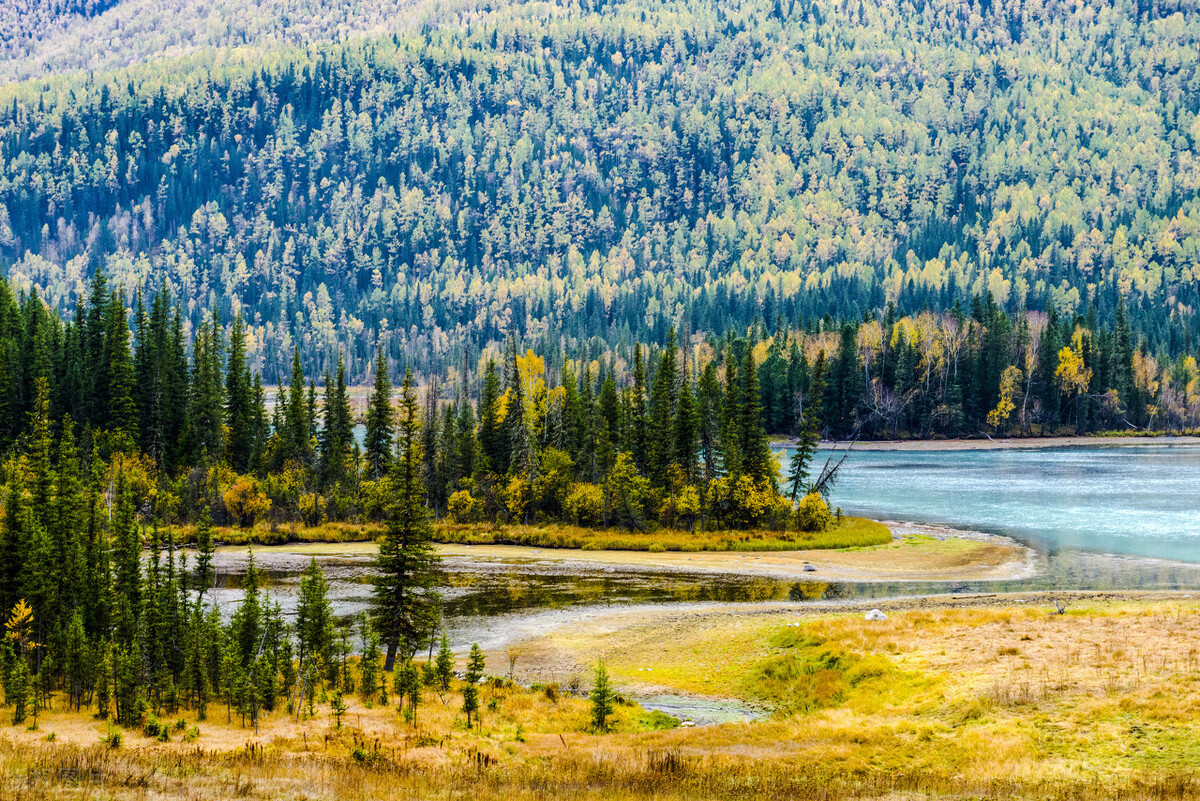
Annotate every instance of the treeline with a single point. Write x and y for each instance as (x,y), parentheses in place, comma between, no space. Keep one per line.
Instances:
(666,440)
(119,440)
(107,612)
(601,172)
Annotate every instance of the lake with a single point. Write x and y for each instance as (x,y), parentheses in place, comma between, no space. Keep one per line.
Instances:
(1129,499)
(1090,511)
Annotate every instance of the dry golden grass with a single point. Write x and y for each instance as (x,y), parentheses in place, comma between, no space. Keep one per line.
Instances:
(852,532)
(1106,693)
(1008,701)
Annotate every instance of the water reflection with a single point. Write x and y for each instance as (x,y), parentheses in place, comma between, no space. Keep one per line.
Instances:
(490,600)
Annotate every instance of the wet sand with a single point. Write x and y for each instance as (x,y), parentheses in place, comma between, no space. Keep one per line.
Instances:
(918,552)
(922,553)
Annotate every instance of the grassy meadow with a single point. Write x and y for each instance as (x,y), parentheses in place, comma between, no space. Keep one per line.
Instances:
(1004,700)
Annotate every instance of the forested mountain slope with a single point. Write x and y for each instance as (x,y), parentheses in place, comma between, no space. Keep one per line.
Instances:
(41,37)
(606,170)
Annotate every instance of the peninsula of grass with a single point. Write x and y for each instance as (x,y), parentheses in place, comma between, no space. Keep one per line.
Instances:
(851,532)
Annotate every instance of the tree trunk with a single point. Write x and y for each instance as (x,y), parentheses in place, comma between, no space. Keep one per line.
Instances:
(390,661)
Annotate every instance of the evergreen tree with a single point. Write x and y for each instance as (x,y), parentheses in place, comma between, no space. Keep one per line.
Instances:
(709,409)
(810,433)
(336,438)
(405,605)
(638,433)
(127,550)
(471,683)
(755,448)
(239,402)
(444,666)
(314,620)
(204,575)
(660,440)
(380,417)
(687,432)
(602,698)
(120,410)
(492,441)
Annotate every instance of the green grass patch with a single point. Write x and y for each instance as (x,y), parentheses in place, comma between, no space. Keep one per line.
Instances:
(656,720)
(813,673)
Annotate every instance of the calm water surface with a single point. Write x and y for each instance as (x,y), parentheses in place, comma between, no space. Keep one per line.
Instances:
(1139,500)
(1093,514)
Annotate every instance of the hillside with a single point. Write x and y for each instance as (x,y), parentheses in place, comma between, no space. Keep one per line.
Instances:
(608,170)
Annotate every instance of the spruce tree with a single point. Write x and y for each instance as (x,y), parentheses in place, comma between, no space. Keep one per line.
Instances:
(708,410)
(471,679)
(686,436)
(810,433)
(602,698)
(239,401)
(444,666)
(380,417)
(660,439)
(120,410)
(465,440)
(730,438)
(296,424)
(336,437)
(127,574)
(204,574)
(405,598)
(492,442)
(516,427)
(757,461)
(314,618)
(637,444)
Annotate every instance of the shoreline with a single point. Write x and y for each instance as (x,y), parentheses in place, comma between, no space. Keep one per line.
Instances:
(563,648)
(1009,443)
(917,552)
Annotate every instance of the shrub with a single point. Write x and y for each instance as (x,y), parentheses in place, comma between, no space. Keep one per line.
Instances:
(153,727)
(312,509)
(111,739)
(813,513)
(585,504)
(518,495)
(681,509)
(245,502)
(464,508)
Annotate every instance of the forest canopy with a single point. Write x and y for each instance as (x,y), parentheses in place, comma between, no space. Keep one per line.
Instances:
(586,176)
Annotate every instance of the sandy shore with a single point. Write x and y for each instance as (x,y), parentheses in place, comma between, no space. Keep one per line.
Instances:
(920,555)
(918,552)
(1023,443)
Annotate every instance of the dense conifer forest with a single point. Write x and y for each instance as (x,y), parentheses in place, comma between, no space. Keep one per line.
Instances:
(586,178)
(537,264)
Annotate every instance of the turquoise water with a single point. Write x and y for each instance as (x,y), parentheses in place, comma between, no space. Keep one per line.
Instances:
(1137,500)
